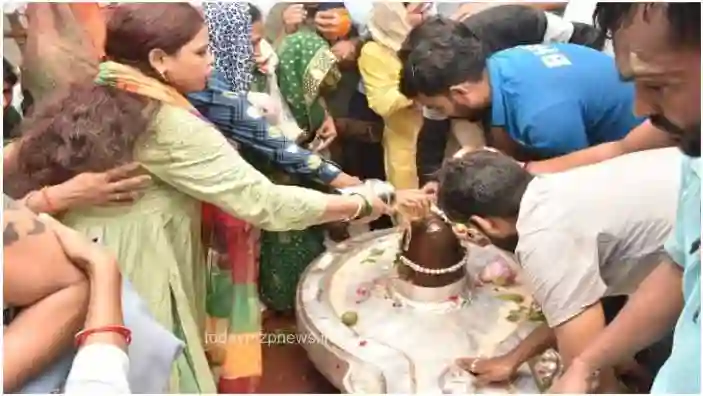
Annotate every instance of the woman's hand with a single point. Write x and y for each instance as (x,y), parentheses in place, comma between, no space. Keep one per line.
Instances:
(105,308)
(87,255)
(327,133)
(327,22)
(293,16)
(431,189)
(379,208)
(262,62)
(490,371)
(412,204)
(344,50)
(119,185)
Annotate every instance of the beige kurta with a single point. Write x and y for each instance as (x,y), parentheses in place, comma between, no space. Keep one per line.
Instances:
(157,240)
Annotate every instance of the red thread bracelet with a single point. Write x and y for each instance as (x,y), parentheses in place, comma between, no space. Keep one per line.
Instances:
(121,330)
(45,194)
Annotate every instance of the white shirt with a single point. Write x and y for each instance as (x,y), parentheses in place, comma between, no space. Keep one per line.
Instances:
(596,231)
(582,11)
(99,369)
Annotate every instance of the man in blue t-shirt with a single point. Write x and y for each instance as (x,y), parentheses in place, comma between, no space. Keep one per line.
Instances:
(536,101)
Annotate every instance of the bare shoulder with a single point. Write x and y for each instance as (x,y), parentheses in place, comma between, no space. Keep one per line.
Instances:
(34,264)
(9,203)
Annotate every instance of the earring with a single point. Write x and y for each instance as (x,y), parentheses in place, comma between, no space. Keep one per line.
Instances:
(164,76)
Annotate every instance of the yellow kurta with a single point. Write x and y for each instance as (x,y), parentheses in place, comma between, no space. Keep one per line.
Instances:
(157,239)
(380,70)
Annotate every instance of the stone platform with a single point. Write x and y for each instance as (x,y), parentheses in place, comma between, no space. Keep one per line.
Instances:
(376,334)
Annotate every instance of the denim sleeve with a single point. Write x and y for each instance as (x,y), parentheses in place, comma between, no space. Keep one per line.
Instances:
(240,121)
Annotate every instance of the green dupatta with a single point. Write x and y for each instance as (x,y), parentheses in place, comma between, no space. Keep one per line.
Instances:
(306,62)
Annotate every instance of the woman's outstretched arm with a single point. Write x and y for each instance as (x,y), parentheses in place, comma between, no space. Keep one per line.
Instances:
(209,169)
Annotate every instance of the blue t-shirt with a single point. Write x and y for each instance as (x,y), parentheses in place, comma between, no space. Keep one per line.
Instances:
(681,372)
(559,98)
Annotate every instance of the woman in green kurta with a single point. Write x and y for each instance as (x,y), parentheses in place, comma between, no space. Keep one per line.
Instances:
(305,62)
(137,113)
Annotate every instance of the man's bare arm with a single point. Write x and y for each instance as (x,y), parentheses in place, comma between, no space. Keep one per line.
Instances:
(650,313)
(644,137)
(51,293)
(575,335)
(541,339)
(40,333)
(26,241)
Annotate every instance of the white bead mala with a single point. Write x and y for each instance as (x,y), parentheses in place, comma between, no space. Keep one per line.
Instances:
(432,271)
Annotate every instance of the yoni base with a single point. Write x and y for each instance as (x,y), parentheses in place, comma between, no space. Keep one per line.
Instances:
(398,345)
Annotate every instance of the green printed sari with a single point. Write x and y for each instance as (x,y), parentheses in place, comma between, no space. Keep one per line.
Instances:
(305,66)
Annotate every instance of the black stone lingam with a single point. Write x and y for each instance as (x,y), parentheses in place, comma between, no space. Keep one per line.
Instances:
(431,254)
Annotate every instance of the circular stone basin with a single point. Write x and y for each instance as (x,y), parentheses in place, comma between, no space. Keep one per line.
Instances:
(398,338)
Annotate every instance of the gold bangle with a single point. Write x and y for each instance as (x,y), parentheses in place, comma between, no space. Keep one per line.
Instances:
(359,208)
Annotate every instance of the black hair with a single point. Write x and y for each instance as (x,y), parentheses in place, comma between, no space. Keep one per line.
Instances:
(482,183)
(684,19)
(8,73)
(432,29)
(329,5)
(255,13)
(441,61)
(587,35)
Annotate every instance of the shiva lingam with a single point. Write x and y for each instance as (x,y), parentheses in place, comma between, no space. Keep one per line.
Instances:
(390,312)
(436,246)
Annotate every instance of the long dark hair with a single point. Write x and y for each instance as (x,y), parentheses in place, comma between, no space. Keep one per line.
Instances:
(90,127)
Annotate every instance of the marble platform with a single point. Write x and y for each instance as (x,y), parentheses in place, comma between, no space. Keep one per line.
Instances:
(405,339)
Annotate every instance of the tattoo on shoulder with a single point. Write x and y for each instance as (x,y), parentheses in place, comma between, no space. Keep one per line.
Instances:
(10,234)
(37,227)
(14,229)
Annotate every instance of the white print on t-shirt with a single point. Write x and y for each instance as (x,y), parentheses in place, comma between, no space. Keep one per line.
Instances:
(550,56)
